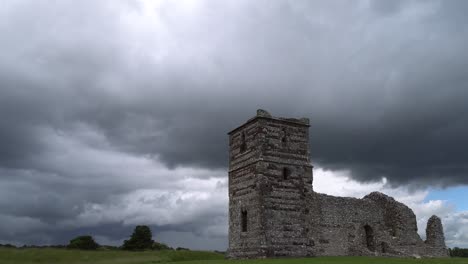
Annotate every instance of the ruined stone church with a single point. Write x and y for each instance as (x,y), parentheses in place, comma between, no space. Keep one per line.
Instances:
(274,211)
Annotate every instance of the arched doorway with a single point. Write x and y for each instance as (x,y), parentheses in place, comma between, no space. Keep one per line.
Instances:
(369,237)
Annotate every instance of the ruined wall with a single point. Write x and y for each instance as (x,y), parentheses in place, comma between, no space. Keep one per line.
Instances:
(339,226)
(273,211)
(376,225)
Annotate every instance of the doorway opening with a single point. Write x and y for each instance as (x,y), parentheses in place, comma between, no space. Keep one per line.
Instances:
(369,237)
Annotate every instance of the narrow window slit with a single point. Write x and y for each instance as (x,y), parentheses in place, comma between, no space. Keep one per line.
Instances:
(286,173)
(284,137)
(244,221)
(243,145)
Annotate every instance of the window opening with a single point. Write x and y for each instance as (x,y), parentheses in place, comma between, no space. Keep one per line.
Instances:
(243,145)
(286,173)
(244,220)
(284,138)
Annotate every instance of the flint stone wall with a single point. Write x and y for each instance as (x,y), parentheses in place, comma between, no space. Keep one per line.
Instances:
(274,212)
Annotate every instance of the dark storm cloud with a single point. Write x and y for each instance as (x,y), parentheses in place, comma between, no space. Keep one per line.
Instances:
(95,95)
(385,94)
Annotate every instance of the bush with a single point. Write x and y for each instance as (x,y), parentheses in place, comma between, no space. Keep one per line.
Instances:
(182,248)
(141,239)
(83,242)
(161,246)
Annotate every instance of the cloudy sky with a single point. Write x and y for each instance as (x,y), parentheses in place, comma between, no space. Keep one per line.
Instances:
(115,113)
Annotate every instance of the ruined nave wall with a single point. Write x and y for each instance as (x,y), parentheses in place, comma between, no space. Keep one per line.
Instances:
(376,225)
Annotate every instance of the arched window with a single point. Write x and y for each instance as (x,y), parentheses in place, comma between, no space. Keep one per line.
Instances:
(243,145)
(286,173)
(244,220)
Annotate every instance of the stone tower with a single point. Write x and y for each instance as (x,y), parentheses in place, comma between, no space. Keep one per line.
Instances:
(270,176)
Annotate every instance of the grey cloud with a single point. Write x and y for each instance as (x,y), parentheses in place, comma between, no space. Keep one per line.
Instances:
(94,95)
(386,7)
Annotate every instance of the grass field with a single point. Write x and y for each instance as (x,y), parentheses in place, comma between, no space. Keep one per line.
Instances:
(63,256)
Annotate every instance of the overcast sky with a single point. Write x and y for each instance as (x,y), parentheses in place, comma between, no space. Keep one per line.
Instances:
(115,113)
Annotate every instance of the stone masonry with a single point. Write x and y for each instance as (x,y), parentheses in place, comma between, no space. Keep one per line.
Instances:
(274,212)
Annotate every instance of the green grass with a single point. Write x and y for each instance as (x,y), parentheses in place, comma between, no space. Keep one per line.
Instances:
(63,256)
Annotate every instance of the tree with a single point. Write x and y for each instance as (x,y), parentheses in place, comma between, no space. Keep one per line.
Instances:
(83,242)
(141,239)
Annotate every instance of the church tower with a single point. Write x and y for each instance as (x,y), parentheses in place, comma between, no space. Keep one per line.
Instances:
(270,176)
